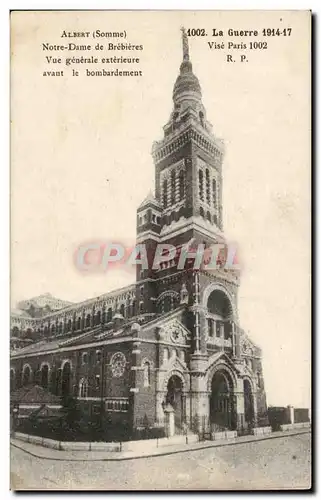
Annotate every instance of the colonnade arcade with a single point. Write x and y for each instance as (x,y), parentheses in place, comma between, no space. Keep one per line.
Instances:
(56,380)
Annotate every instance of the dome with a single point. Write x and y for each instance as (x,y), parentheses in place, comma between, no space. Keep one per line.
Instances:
(186,81)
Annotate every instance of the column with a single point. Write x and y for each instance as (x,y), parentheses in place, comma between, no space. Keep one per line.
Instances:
(239,402)
(187,396)
(233,339)
(171,423)
(237,342)
(196,313)
(222,335)
(290,410)
(160,401)
(133,382)
(199,401)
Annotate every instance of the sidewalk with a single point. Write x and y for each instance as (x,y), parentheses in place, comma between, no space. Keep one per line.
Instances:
(39,451)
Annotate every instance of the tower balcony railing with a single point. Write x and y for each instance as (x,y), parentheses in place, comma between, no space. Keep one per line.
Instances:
(220,342)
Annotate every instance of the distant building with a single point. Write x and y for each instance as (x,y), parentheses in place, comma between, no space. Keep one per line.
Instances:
(45,301)
(171,341)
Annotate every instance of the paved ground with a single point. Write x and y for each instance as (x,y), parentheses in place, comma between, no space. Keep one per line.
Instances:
(273,463)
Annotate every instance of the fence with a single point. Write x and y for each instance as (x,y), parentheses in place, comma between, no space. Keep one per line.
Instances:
(287,415)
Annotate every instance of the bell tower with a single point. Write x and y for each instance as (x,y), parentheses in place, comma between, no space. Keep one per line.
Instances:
(188,165)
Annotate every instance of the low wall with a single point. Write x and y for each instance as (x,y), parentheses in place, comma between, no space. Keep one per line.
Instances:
(137,446)
(223,435)
(280,416)
(301,415)
(261,431)
(147,444)
(299,425)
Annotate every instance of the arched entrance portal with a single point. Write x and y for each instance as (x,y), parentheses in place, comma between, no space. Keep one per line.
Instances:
(174,397)
(65,379)
(248,404)
(222,414)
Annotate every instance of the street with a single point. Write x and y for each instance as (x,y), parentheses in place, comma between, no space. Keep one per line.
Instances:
(274,463)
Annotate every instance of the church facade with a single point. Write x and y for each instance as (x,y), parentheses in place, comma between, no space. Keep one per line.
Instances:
(171,342)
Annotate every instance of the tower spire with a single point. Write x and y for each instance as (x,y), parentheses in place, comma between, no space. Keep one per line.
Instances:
(185,44)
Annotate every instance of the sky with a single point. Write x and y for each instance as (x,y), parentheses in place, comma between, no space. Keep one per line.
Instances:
(81,164)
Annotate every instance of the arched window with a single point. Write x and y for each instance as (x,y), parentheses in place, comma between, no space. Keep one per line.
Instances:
(201,115)
(83,388)
(133,308)
(46,330)
(214,187)
(122,310)
(26,375)
(109,314)
(60,328)
(174,353)
(84,358)
(98,356)
(208,187)
(69,326)
(208,216)
(88,321)
(78,323)
(146,367)
(167,304)
(53,329)
(165,194)
(44,376)
(201,184)
(201,211)
(181,185)
(173,187)
(98,318)
(65,377)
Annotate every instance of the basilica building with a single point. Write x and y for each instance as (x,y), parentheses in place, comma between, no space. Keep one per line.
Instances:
(171,342)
